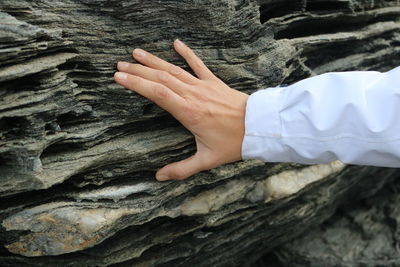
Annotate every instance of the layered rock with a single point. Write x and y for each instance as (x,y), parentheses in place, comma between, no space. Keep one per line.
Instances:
(78,153)
(364,233)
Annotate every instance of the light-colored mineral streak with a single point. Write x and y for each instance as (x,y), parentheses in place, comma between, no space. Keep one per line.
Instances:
(277,186)
(115,193)
(290,182)
(59,228)
(63,227)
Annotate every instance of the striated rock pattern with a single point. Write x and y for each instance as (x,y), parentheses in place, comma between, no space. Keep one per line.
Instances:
(364,233)
(78,153)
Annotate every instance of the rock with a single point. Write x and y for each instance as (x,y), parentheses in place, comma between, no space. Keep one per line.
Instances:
(78,153)
(360,234)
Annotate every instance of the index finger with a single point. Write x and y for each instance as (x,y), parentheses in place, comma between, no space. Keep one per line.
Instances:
(194,61)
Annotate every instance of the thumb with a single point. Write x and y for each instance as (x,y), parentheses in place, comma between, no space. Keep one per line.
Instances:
(181,169)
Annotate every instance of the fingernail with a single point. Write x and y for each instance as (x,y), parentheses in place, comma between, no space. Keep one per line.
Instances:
(162,177)
(139,53)
(180,43)
(120,76)
(122,65)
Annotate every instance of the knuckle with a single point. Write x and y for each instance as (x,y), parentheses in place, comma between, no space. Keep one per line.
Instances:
(175,70)
(191,54)
(193,115)
(163,76)
(189,110)
(160,92)
(135,68)
(180,172)
(202,97)
(153,61)
(198,63)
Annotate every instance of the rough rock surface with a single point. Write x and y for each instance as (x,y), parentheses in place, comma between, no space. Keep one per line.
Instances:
(78,153)
(364,233)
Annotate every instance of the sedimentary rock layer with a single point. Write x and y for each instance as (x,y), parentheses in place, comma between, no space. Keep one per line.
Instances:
(364,233)
(78,153)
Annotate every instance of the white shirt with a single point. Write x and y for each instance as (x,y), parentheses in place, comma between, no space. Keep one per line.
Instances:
(351,116)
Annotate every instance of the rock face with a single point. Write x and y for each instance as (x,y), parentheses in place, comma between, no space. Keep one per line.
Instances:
(360,234)
(78,153)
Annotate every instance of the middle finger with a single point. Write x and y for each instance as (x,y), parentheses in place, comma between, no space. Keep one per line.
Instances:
(158,76)
(155,62)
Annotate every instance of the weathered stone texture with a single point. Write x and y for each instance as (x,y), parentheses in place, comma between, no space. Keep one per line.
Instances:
(78,153)
(364,233)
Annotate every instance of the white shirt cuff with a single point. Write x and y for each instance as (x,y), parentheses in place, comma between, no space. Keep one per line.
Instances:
(262,138)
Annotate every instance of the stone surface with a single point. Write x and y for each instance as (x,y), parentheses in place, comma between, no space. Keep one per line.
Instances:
(363,233)
(78,153)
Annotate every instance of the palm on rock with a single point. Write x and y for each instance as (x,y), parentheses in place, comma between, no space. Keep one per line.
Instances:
(212,111)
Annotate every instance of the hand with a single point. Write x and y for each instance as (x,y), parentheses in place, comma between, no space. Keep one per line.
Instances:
(212,111)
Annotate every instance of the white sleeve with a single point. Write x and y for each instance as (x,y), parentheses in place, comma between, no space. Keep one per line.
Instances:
(352,116)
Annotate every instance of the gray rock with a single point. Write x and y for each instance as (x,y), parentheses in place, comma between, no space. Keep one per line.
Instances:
(362,233)
(78,153)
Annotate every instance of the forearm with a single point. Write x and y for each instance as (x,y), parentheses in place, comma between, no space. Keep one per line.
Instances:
(350,116)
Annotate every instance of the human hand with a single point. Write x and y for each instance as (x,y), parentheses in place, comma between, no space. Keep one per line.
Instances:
(212,111)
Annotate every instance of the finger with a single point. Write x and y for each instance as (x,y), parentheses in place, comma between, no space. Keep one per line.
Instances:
(181,169)
(158,93)
(154,62)
(154,75)
(194,61)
